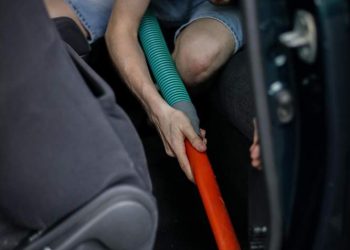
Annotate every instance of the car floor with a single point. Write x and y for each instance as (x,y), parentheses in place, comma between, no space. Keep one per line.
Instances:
(182,220)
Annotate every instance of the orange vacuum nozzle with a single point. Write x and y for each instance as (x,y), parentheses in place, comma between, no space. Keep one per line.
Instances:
(213,202)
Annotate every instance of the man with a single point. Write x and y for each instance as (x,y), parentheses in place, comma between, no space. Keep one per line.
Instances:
(209,33)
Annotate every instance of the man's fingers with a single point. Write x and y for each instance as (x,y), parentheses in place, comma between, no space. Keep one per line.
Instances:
(180,152)
(256,137)
(168,151)
(256,164)
(167,147)
(185,165)
(255,149)
(203,133)
(255,153)
(194,139)
(205,141)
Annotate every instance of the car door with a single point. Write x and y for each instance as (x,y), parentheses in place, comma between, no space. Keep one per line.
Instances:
(299,60)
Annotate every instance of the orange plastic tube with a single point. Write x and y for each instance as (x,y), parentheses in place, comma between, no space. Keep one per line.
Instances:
(214,205)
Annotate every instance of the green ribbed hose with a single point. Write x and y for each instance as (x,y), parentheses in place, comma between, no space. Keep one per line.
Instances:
(163,68)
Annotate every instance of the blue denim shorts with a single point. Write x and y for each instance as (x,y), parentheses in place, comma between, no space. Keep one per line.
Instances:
(94,15)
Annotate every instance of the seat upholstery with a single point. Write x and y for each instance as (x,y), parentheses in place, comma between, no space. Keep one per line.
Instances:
(233,95)
(64,140)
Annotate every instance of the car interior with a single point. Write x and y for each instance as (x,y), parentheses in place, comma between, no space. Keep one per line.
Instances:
(291,76)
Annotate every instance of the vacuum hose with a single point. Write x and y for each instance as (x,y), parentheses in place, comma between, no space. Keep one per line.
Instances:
(175,93)
(164,69)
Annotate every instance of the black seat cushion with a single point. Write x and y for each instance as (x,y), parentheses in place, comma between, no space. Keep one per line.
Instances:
(233,94)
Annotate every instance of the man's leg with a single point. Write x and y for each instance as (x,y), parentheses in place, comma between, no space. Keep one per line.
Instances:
(201,49)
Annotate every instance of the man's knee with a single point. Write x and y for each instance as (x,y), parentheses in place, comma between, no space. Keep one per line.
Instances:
(201,49)
(194,66)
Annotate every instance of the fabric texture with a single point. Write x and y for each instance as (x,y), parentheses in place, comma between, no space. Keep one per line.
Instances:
(94,15)
(63,138)
(233,94)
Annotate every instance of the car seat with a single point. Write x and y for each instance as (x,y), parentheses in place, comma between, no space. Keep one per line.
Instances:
(110,207)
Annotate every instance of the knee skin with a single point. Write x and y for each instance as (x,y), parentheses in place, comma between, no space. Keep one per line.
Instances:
(194,69)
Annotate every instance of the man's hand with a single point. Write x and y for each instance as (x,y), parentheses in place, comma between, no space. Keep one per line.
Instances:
(255,149)
(174,127)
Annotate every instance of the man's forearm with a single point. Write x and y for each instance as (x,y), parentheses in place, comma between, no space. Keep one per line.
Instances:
(127,55)
(129,59)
